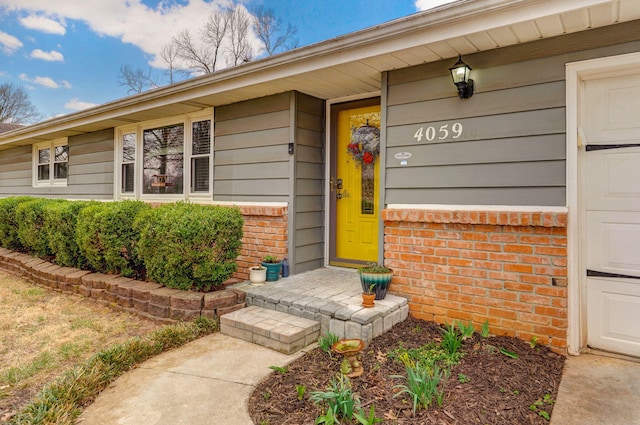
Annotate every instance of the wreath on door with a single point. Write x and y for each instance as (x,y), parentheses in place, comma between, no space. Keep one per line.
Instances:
(365,144)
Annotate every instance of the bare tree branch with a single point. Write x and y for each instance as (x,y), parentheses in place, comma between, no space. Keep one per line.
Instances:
(15,106)
(239,50)
(136,80)
(269,30)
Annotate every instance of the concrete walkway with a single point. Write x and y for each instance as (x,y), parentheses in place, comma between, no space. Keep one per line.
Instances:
(207,381)
(597,389)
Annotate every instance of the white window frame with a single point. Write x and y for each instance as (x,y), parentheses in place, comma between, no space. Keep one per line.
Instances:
(51,181)
(138,129)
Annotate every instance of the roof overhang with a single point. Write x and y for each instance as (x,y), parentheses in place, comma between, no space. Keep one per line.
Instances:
(351,64)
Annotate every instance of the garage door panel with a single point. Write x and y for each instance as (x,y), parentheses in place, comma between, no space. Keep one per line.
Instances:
(613,304)
(611,201)
(612,178)
(610,116)
(613,242)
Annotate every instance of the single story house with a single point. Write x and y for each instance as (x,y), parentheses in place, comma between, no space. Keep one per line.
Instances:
(512,199)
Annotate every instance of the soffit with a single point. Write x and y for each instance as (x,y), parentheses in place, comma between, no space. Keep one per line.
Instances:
(352,64)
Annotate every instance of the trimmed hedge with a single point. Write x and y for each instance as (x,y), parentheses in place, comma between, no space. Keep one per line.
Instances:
(183,245)
(189,246)
(8,224)
(106,237)
(60,221)
(32,232)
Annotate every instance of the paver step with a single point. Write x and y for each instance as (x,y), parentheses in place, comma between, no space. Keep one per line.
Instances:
(279,331)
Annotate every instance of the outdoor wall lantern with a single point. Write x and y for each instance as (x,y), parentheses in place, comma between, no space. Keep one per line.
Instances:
(460,74)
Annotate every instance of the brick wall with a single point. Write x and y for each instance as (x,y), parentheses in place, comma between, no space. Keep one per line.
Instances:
(265,233)
(509,268)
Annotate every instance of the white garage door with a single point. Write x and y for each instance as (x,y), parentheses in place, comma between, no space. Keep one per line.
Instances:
(611,183)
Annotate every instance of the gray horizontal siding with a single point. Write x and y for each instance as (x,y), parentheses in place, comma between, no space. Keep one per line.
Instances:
(512,150)
(90,173)
(251,162)
(309,184)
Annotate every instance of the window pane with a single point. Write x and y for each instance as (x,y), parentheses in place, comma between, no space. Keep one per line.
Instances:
(44,156)
(127,177)
(43,172)
(201,138)
(163,160)
(60,170)
(62,153)
(200,174)
(129,147)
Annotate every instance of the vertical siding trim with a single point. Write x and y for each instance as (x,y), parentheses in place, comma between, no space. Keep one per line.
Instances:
(383,162)
(293,137)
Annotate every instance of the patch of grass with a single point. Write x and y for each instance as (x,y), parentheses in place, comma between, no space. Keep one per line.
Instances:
(423,386)
(60,401)
(326,341)
(17,374)
(339,399)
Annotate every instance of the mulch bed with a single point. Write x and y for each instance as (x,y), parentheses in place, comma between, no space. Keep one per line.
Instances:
(500,389)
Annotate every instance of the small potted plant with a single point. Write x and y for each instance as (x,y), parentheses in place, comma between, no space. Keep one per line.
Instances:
(257,275)
(368,296)
(377,275)
(273,266)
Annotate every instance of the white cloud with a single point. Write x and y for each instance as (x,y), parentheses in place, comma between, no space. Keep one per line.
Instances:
(430,4)
(45,82)
(76,104)
(9,43)
(44,24)
(131,21)
(51,56)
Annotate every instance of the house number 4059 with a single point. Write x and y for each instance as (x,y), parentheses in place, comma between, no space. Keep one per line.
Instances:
(444,132)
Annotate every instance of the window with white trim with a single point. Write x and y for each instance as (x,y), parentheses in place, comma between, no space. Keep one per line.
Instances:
(51,163)
(161,159)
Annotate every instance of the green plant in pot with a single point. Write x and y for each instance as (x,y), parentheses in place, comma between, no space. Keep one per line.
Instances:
(274,266)
(377,275)
(368,296)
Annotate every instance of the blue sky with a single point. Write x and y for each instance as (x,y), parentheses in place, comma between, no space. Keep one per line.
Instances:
(68,53)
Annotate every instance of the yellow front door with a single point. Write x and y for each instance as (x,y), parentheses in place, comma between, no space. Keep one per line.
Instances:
(356,184)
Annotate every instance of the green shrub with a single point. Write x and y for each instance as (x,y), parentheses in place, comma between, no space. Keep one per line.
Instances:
(106,237)
(8,224)
(60,221)
(30,218)
(189,246)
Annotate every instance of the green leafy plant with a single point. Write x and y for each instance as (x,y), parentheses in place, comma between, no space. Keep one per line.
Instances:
(484,330)
(422,386)
(60,221)
(8,223)
(326,341)
(367,419)
(271,259)
(508,353)
(466,330)
(338,397)
(451,340)
(374,268)
(300,390)
(32,231)
(281,370)
(328,418)
(539,406)
(463,379)
(534,341)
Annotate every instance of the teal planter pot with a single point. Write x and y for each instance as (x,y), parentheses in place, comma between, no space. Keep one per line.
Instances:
(273,271)
(380,281)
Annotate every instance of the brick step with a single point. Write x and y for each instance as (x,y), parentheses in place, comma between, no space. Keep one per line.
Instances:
(273,329)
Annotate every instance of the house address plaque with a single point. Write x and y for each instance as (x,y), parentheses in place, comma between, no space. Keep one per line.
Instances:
(450,131)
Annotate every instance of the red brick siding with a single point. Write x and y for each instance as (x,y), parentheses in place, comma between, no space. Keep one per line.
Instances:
(265,233)
(509,268)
